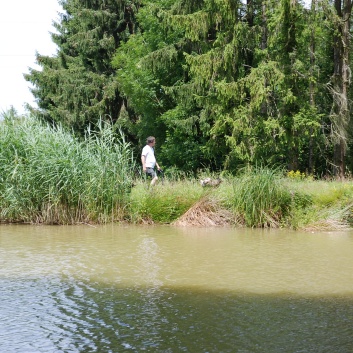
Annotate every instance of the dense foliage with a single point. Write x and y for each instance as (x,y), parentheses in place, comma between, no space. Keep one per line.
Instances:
(220,83)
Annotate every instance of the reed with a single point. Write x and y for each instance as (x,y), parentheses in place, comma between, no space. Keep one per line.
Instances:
(48,175)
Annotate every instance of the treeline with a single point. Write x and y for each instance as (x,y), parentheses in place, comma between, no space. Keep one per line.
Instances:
(220,83)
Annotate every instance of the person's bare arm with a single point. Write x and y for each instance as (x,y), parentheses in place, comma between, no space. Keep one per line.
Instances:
(143,161)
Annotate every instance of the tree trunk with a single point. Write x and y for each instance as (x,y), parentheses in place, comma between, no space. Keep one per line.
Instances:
(311,83)
(264,27)
(340,85)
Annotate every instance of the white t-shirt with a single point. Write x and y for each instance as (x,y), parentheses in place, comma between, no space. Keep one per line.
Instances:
(148,152)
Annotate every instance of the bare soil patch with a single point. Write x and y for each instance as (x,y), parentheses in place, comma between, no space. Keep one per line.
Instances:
(206,212)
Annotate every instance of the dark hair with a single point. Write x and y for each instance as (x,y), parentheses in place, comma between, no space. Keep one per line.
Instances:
(150,139)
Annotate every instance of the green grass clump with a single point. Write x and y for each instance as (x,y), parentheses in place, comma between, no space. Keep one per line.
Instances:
(328,193)
(162,203)
(331,204)
(260,198)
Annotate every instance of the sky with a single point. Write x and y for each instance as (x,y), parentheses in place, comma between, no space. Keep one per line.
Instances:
(25,27)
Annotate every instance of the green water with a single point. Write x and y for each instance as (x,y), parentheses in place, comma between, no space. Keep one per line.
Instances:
(164,289)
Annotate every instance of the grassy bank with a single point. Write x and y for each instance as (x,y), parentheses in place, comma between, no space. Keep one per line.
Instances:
(49,176)
(256,198)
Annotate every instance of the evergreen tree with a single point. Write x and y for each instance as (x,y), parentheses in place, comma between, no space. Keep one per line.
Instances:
(77,86)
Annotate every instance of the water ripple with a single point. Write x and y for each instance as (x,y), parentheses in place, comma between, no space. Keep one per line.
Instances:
(158,294)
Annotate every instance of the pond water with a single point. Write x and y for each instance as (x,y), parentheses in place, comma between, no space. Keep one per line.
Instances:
(119,288)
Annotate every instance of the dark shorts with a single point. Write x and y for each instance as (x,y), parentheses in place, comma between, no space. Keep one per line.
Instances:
(151,172)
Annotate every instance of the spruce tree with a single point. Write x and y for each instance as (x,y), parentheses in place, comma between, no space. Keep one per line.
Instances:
(77,86)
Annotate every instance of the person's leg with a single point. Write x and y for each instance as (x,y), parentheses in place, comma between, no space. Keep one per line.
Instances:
(154,180)
(151,172)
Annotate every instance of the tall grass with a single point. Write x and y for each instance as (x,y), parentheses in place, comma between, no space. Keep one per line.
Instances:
(163,203)
(331,204)
(48,175)
(260,198)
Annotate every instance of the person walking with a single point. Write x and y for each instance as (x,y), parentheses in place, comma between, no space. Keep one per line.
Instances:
(148,159)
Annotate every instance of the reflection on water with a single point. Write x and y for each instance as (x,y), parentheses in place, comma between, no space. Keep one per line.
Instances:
(160,289)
